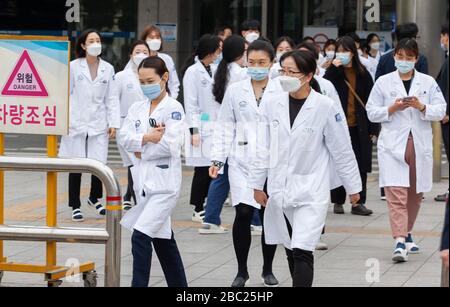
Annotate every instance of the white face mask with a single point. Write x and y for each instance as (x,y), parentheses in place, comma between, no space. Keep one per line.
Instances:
(330,55)
(251,37)
(94,49)
(290,84)
(279,55)
(375,46)
(154,44)
(138,58)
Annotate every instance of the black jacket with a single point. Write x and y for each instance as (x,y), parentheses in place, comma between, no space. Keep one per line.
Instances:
(442,80)
(387,65)
(364,85)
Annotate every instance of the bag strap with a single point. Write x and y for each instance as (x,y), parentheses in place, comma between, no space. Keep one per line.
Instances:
(355,94)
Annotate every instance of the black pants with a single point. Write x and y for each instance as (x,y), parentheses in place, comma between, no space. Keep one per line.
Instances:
(200,188)
(130,190)
(339,195)
(242,239)
(168,255)
(301,265)
(75,187)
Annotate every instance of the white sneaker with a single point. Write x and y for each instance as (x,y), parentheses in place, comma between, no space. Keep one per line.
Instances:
(210,229)
(198,217)
(322,246)
(127,206)
(77,216)
(412,247)
(256,230)
(99,208)
(400,253)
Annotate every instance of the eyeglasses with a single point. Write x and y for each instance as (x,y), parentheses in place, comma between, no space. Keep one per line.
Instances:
(283,72)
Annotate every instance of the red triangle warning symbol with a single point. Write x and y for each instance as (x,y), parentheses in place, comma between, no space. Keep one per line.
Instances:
(25,80)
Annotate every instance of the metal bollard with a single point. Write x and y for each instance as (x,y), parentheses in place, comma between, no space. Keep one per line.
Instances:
(113,207)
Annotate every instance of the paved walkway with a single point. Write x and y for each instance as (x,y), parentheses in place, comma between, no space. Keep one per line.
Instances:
(358,246)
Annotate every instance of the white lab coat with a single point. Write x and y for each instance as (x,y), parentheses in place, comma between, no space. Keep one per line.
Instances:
(371,64)
(174,81)
(125,91)
(157,176)
(394,171)
(275,70)
(202,109)
(236,133)
(201,112)
(296,162)
(327,88)
(92,112)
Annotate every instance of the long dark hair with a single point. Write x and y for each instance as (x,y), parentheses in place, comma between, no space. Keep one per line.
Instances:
(348,44)
(79,51)
(233,49)
(370,37)
(158,65)
(283,39)
(208,44)
(306,64)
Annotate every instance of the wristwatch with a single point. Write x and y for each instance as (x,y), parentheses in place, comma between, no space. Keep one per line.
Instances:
(218,164)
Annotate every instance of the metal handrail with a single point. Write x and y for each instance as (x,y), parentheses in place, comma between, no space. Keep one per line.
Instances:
(112,186)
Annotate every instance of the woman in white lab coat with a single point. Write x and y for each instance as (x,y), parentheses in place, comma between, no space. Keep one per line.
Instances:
(125,91)
(405,102)
(374,43)
(153,131)
(152,35)
(235,141)
(230,70)
(305,132)
(94,117)
(201,112)
(283,44)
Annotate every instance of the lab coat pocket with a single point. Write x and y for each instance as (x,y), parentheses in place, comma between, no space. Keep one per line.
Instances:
(301,190)
(100,89)
(306,138)
(159,177)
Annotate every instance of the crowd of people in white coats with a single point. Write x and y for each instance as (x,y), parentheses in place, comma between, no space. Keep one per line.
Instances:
(285,128)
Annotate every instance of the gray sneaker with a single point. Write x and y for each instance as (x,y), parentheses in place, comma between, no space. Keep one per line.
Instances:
(210,229)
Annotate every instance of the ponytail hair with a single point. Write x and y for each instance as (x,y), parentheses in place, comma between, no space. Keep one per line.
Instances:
(233,50)
(208,44)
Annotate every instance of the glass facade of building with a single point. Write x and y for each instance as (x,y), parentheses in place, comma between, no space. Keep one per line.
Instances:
(117,19)
(120,19)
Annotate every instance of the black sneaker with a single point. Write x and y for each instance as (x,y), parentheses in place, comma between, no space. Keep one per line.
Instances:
(240,282)
(339,209)
(270,281)
(361,210)
(441,198)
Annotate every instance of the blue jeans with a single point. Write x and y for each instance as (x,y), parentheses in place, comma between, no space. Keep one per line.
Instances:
(168,255)
(217,195)
(256,220)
